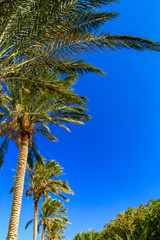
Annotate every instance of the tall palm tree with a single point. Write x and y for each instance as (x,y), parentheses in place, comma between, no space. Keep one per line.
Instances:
(55,33)
(52,218)
(42,181)
(23,114)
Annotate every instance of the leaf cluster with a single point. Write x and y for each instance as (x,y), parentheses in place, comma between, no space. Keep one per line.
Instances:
(43,180)
(88,235)
(25,111)
(142,223)
(54,34)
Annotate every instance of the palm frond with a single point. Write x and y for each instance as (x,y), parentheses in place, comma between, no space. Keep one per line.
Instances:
(89,21)
(34,153)
(41,33)
(45,133)
(123,41)
(28,223)
(11,190)
(3,150)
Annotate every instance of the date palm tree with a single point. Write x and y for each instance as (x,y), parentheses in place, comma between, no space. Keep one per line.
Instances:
(57,88)
(52,218)
(89,235)
(43,180)
(55,33)
(55,231)
(22,115)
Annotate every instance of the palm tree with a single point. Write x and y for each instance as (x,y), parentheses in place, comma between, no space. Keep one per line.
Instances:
(55,231)
(55,33)
(89,235)
(52,218)
(41,182)
(60,89)
(23,114)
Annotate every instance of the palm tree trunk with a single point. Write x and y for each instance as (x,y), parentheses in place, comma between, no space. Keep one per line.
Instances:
(35,220)
(18,188)
(43,232)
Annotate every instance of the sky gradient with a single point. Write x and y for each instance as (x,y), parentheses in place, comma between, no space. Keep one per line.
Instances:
(112,162)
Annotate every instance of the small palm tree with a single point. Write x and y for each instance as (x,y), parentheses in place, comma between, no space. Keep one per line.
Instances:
(55,231)
(23,114)
(89,235)
(42,181)
(52,218)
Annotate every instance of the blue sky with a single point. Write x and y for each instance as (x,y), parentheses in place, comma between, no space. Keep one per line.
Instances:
(112,162)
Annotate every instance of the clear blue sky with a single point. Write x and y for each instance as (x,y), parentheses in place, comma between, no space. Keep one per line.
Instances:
(112,162)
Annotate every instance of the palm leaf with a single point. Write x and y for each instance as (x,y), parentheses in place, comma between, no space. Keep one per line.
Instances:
(45,133)
(28,223)
(3,150)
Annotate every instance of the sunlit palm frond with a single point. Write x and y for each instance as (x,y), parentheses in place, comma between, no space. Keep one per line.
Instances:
(42,33)
(43,180)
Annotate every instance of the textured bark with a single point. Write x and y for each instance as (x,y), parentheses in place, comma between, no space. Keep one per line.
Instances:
(18,188)
(35,220)
(43,232)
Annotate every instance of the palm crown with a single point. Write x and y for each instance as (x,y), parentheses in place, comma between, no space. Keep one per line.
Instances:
(52,218)
(89,235)
(25,113)
(53,211)
(42,180)
(55,231)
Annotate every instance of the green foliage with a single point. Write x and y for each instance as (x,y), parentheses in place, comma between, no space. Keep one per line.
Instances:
(30,111)
(3,150)
(43,180)
(55,231)
(33,153)
(53,34)
(142,223)
(89,235)
(53,217)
